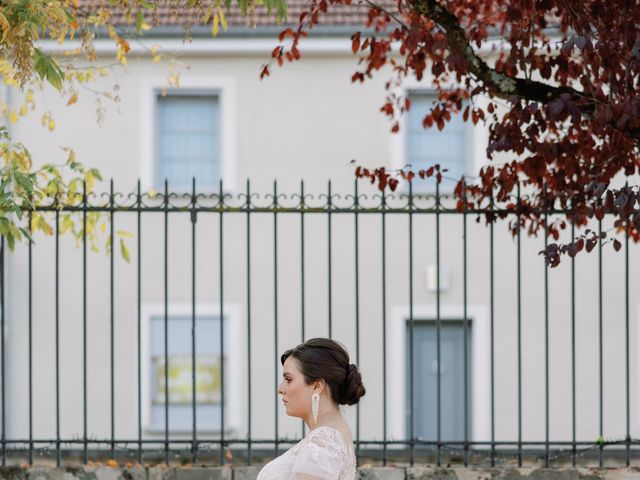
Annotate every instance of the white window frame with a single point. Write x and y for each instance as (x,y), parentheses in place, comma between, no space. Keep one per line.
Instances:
(480,427)
(475,139)
(221,86)
(234,366)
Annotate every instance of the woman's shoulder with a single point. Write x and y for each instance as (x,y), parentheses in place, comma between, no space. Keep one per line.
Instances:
(330,435)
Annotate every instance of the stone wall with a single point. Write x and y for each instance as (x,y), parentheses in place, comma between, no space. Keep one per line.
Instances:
(372,473)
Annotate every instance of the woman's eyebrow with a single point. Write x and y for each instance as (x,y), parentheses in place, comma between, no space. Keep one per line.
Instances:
(285,373)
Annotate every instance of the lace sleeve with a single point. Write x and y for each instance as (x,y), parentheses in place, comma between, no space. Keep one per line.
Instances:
(321,459)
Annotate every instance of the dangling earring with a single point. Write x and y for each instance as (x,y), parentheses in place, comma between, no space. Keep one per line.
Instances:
(315,405)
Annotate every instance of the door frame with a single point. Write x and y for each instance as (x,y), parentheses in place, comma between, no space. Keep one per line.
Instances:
(480,428)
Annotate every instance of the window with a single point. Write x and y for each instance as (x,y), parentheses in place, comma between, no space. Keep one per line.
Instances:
(188,141)
(208,394)
(449,147)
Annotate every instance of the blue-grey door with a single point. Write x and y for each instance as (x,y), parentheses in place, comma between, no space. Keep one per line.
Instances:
(451,371)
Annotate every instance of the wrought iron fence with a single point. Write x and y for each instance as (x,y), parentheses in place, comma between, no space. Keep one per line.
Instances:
(363,247)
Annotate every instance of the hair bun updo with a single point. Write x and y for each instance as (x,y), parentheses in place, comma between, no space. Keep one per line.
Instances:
(352,388)
(326,359)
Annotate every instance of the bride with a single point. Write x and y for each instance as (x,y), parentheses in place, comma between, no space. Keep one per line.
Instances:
(317,378)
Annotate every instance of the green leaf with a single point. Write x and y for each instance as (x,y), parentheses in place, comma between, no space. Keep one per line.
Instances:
(26,233)
(48,69)
(139,21)
(25,182)
(243,6)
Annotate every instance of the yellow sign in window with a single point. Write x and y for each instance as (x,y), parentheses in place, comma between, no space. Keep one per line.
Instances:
(180,379)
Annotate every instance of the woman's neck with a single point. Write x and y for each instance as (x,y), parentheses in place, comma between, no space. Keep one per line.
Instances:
(326,417)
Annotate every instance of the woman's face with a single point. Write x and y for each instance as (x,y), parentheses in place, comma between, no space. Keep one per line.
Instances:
(296,394)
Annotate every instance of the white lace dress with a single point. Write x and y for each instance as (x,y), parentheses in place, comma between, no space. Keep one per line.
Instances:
(322,454)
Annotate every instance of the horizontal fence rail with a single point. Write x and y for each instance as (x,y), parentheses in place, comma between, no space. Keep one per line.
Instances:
(163,345)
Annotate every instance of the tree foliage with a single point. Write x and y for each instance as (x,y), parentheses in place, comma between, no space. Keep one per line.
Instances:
(555,81)
(26,23)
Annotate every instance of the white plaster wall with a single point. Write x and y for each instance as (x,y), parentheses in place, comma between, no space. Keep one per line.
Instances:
(306,121)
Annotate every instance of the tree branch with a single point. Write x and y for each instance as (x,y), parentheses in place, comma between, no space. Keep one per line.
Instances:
(498,83)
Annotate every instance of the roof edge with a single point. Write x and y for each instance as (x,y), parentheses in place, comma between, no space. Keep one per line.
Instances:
(267,31)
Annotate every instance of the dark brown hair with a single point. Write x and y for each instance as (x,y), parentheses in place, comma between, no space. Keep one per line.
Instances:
(328,360)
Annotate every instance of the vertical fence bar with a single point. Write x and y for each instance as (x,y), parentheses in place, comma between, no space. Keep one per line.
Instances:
(112,318)
(302,287)
(356,231)
(85,446)
(249,391)
(221,280)
(600,348)
(166,322)
(438,331)
(302,300)
(492,342)
(194,432)
(30,306)
(57,339)
(626,331)
(329,261)
(411,326)
(139,316)
(465,327)
(573,345)
(384,329)
(2,324)
(275,307)
(519,315)
(546,335)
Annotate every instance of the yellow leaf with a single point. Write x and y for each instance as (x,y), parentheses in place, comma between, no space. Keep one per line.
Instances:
(44,119)
(73,99)
(223,19)
(4,23)
(155,54)
(44,226)
(90,179)
(207,14)
(13,117)
(103,227)
(34,221)
(23,110)
(124,251)
(29,97)
(215,27)
(67,223)
(52,124)
(152,193)
(124,234)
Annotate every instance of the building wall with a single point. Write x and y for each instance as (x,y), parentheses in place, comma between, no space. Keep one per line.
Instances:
(306,121)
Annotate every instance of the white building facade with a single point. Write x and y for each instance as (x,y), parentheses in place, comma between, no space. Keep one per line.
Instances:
(291,276)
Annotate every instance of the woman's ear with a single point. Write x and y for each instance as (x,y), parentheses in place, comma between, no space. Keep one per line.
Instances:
(319,386)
